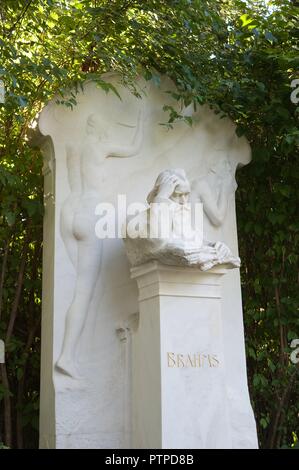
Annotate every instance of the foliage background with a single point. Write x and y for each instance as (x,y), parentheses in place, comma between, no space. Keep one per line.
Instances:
(240,56)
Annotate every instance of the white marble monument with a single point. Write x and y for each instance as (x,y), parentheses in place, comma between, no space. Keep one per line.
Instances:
(92,319)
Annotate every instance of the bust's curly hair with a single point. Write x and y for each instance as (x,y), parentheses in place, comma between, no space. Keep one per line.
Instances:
(162,177)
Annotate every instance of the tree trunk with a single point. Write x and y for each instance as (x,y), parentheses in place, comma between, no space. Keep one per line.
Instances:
(3,271)
(7,408)
(15,305)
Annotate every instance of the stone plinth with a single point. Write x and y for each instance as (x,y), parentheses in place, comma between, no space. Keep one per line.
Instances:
(179,386)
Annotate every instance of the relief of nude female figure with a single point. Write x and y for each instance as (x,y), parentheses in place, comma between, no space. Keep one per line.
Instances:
(78,219)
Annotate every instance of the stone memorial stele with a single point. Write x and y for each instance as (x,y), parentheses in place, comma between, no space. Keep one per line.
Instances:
(142,338)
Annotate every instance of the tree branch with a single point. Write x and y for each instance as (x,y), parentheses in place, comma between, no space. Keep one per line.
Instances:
(14,309)
(7,407)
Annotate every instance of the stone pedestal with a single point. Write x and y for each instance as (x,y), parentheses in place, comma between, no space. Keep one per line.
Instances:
(179,386)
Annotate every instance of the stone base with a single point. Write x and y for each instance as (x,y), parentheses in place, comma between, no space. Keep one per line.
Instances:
(179,383)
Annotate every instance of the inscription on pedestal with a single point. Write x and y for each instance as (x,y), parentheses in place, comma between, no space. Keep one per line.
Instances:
(195,360)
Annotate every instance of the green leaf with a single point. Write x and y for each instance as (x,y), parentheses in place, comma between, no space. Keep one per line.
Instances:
(246,19)
(263,423)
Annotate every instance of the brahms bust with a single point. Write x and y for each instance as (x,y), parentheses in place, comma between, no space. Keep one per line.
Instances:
(167,236)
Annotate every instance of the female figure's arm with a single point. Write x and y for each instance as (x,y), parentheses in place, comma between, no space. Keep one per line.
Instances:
(215,208)
(131,150)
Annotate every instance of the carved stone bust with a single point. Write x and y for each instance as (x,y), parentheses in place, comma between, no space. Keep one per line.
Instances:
(166,233)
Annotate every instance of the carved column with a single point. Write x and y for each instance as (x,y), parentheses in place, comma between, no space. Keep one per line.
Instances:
(47,392)
(179,389)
